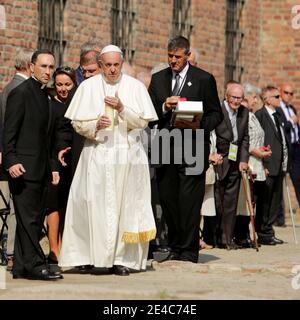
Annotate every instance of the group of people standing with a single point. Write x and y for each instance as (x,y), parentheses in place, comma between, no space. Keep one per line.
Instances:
(79,158)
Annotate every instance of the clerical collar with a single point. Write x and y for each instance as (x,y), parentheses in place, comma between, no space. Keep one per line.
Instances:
(42,84)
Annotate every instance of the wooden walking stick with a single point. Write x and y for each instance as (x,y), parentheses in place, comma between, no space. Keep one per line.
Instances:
(246,187)
(290,207)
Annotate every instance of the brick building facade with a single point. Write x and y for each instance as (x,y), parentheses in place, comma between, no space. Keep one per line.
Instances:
(266,44)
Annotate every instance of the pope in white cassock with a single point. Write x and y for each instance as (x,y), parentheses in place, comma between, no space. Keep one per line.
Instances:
(109,219)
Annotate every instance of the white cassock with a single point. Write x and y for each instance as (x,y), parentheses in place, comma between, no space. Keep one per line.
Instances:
(109,219)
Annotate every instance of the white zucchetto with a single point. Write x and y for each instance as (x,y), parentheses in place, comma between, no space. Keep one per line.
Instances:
(111,48)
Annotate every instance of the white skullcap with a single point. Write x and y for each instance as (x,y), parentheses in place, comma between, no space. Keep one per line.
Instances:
(111,48)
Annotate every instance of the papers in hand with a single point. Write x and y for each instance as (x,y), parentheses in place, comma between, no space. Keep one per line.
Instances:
(186,110)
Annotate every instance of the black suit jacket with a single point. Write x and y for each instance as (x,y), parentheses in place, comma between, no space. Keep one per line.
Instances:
(225,137)
(199,86)
(28,129)
(272,138)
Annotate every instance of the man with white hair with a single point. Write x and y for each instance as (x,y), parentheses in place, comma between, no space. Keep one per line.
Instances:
(109,219)
(233,144)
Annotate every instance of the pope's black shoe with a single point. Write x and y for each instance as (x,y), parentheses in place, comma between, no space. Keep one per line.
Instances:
(84,269)
(119,270)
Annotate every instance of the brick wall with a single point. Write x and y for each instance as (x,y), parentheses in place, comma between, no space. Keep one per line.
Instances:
(83,21)
(279,44)
(269,54)
(21,31)
(209,37)
(250,51)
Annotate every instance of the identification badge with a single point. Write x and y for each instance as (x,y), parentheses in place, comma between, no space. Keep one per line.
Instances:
(233,150)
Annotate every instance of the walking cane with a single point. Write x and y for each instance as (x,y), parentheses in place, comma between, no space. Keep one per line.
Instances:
(290,206)
(246,187)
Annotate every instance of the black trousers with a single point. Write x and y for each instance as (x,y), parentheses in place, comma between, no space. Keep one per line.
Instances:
(295,168)
(29,202)
(181,198)
(209,230)
(268,205)
(226,196)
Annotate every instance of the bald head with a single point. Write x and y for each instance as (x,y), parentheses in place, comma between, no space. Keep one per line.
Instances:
(234,95)
(286,93)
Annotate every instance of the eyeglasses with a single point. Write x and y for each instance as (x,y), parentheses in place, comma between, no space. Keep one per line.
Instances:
(289,93)
(276,97)
(236,98)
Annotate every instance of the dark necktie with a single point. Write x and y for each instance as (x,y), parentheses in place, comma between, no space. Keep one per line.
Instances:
(288,107)
(176,89)
(275,115)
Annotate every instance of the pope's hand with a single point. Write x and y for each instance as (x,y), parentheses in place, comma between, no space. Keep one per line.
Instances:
(103,122)
(114,102)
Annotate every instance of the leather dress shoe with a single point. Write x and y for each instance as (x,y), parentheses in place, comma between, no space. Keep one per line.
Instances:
(244,243)
(229,246)
(84,269)
(119,270)
(163,249)
(277,241)
(45,275)
(267,242)
(172,256)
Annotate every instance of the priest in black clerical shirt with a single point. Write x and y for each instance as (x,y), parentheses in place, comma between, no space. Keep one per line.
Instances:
(26,155)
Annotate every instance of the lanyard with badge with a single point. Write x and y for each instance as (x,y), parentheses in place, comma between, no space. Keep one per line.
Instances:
(233,150)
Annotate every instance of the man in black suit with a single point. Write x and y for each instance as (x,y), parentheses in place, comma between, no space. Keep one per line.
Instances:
(22,66)
(181,194)
(292,131)
(268,204)
(233,144)
(26,155)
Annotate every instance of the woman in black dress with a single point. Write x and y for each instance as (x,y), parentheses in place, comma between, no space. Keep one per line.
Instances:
(64,82)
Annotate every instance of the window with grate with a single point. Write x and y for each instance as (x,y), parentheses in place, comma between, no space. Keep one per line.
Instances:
(234,40)
(123,18)
(51,23)
(182,18)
